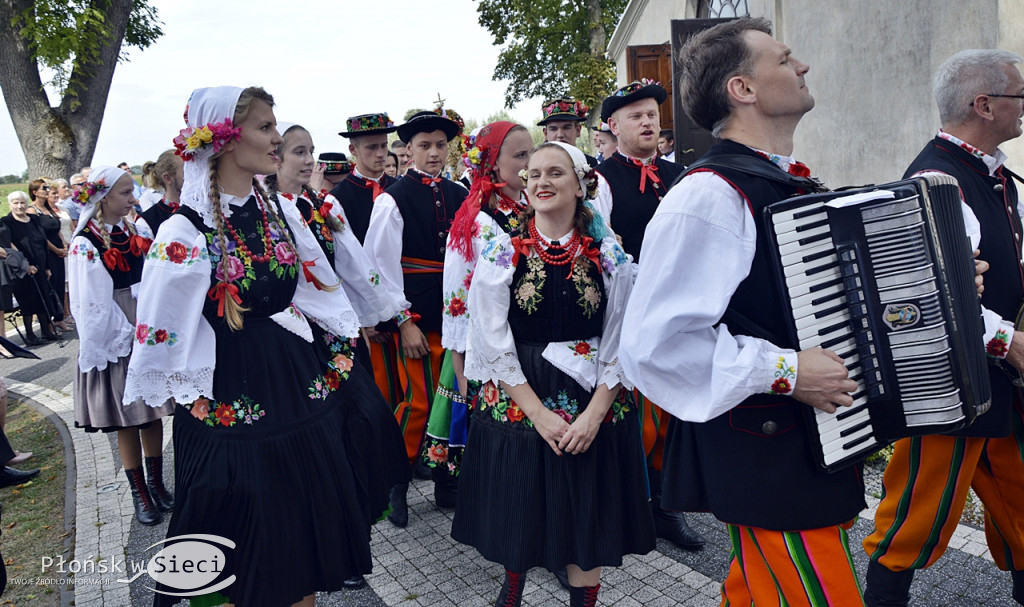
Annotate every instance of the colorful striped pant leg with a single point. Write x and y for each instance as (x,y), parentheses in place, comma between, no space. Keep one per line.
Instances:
(999,483)
(419,383)
(653,428)
(384,360)
(925,488)
(811,568)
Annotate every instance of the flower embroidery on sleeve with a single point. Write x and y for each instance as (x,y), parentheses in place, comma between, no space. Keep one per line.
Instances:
(999,346)
(150,336)
(785,377)
(374,277)
(87,252)
(176,252)
(584,349)
(455,304)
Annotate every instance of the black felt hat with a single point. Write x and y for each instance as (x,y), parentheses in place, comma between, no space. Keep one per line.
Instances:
(562,109)
(428,122)
(369,124)
(335,163)
(632,92)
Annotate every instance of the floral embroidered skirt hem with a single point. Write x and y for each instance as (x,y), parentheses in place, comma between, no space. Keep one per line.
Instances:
(292,462)
(448,425)
(523,506)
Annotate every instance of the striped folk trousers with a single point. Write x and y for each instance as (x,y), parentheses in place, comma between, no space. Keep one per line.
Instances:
(810,568)
(926,485)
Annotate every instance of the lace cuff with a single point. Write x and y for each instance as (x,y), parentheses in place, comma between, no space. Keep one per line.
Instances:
(155,388)
(453,334)
(611,375)
(89,360)
(504,368)
(343,324)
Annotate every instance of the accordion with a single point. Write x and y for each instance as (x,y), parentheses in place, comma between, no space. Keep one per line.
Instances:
(884,277)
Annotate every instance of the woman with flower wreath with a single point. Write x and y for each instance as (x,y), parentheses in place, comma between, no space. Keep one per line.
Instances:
(280,446)
(496,199)
(553,474)
(104,271)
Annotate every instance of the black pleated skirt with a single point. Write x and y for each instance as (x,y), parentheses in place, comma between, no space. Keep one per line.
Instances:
(523,506)
(293,463)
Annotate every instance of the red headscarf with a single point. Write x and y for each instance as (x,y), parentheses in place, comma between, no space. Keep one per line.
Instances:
(488,143)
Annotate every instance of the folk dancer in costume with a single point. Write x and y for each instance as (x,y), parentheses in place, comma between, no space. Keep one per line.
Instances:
(605,142)
(305,448)
(164,179)
(105,267)
(327,220)
(562,120)
(632,184)
(555,439)
(741,451)
(368,146)
(495,201)
(406,242)
(979,94)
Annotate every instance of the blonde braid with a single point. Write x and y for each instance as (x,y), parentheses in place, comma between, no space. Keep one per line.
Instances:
(232,310)
(102,227)
(287,235)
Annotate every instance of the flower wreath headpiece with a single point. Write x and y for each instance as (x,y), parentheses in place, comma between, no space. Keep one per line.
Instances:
(84,192)
(635,86)
(191,140)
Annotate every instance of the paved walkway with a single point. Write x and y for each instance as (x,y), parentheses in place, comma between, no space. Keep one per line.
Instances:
(421,565)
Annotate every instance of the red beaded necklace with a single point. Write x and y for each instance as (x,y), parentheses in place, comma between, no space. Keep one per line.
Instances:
(268,244)
(566,252)
(507,203)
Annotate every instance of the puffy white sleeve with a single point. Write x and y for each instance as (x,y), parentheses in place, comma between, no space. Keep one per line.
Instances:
(143,228)
(383,243)
(458,274)
(175,347)
(360,279)
(330,309)
(673,346)
(104,332)
(617,273)
(490,347)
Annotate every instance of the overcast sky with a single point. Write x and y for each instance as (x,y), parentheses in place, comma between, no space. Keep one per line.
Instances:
(322,60)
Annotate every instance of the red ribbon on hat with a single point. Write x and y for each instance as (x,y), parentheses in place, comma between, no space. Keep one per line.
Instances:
(222,290)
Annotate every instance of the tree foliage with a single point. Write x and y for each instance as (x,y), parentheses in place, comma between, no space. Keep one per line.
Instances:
(553,47)
(75,45)
(66,35)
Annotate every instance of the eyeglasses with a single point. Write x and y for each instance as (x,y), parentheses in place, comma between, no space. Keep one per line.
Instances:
(45,188)
(998,95)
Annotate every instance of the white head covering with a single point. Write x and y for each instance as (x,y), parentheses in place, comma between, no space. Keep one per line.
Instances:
(584,172)
(205,106)
(101,181)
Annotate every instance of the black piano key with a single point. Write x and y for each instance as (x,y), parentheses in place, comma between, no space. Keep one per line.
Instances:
(815,238)
(845,412)
(812,224)
(829,329)
(825,285)
(854,429)
(857,441)
(816,256)
(825,345)
(823,299)
(821,268)
(828,311)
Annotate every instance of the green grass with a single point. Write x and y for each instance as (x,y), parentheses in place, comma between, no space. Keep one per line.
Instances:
(33,513)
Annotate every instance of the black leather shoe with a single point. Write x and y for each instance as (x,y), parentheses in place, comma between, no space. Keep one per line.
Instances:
(12,476)
(1018,586)
(399,516)
(353,583)
(51,337)
(673,527)
(887,588)
(146,511)
(32,340)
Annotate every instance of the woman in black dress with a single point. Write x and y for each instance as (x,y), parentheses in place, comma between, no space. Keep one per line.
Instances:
(33,292)
(282,442)
(56,247)
(553,471)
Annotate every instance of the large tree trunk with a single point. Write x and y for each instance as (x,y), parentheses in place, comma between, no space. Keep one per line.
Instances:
(598,43)
(57,141)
